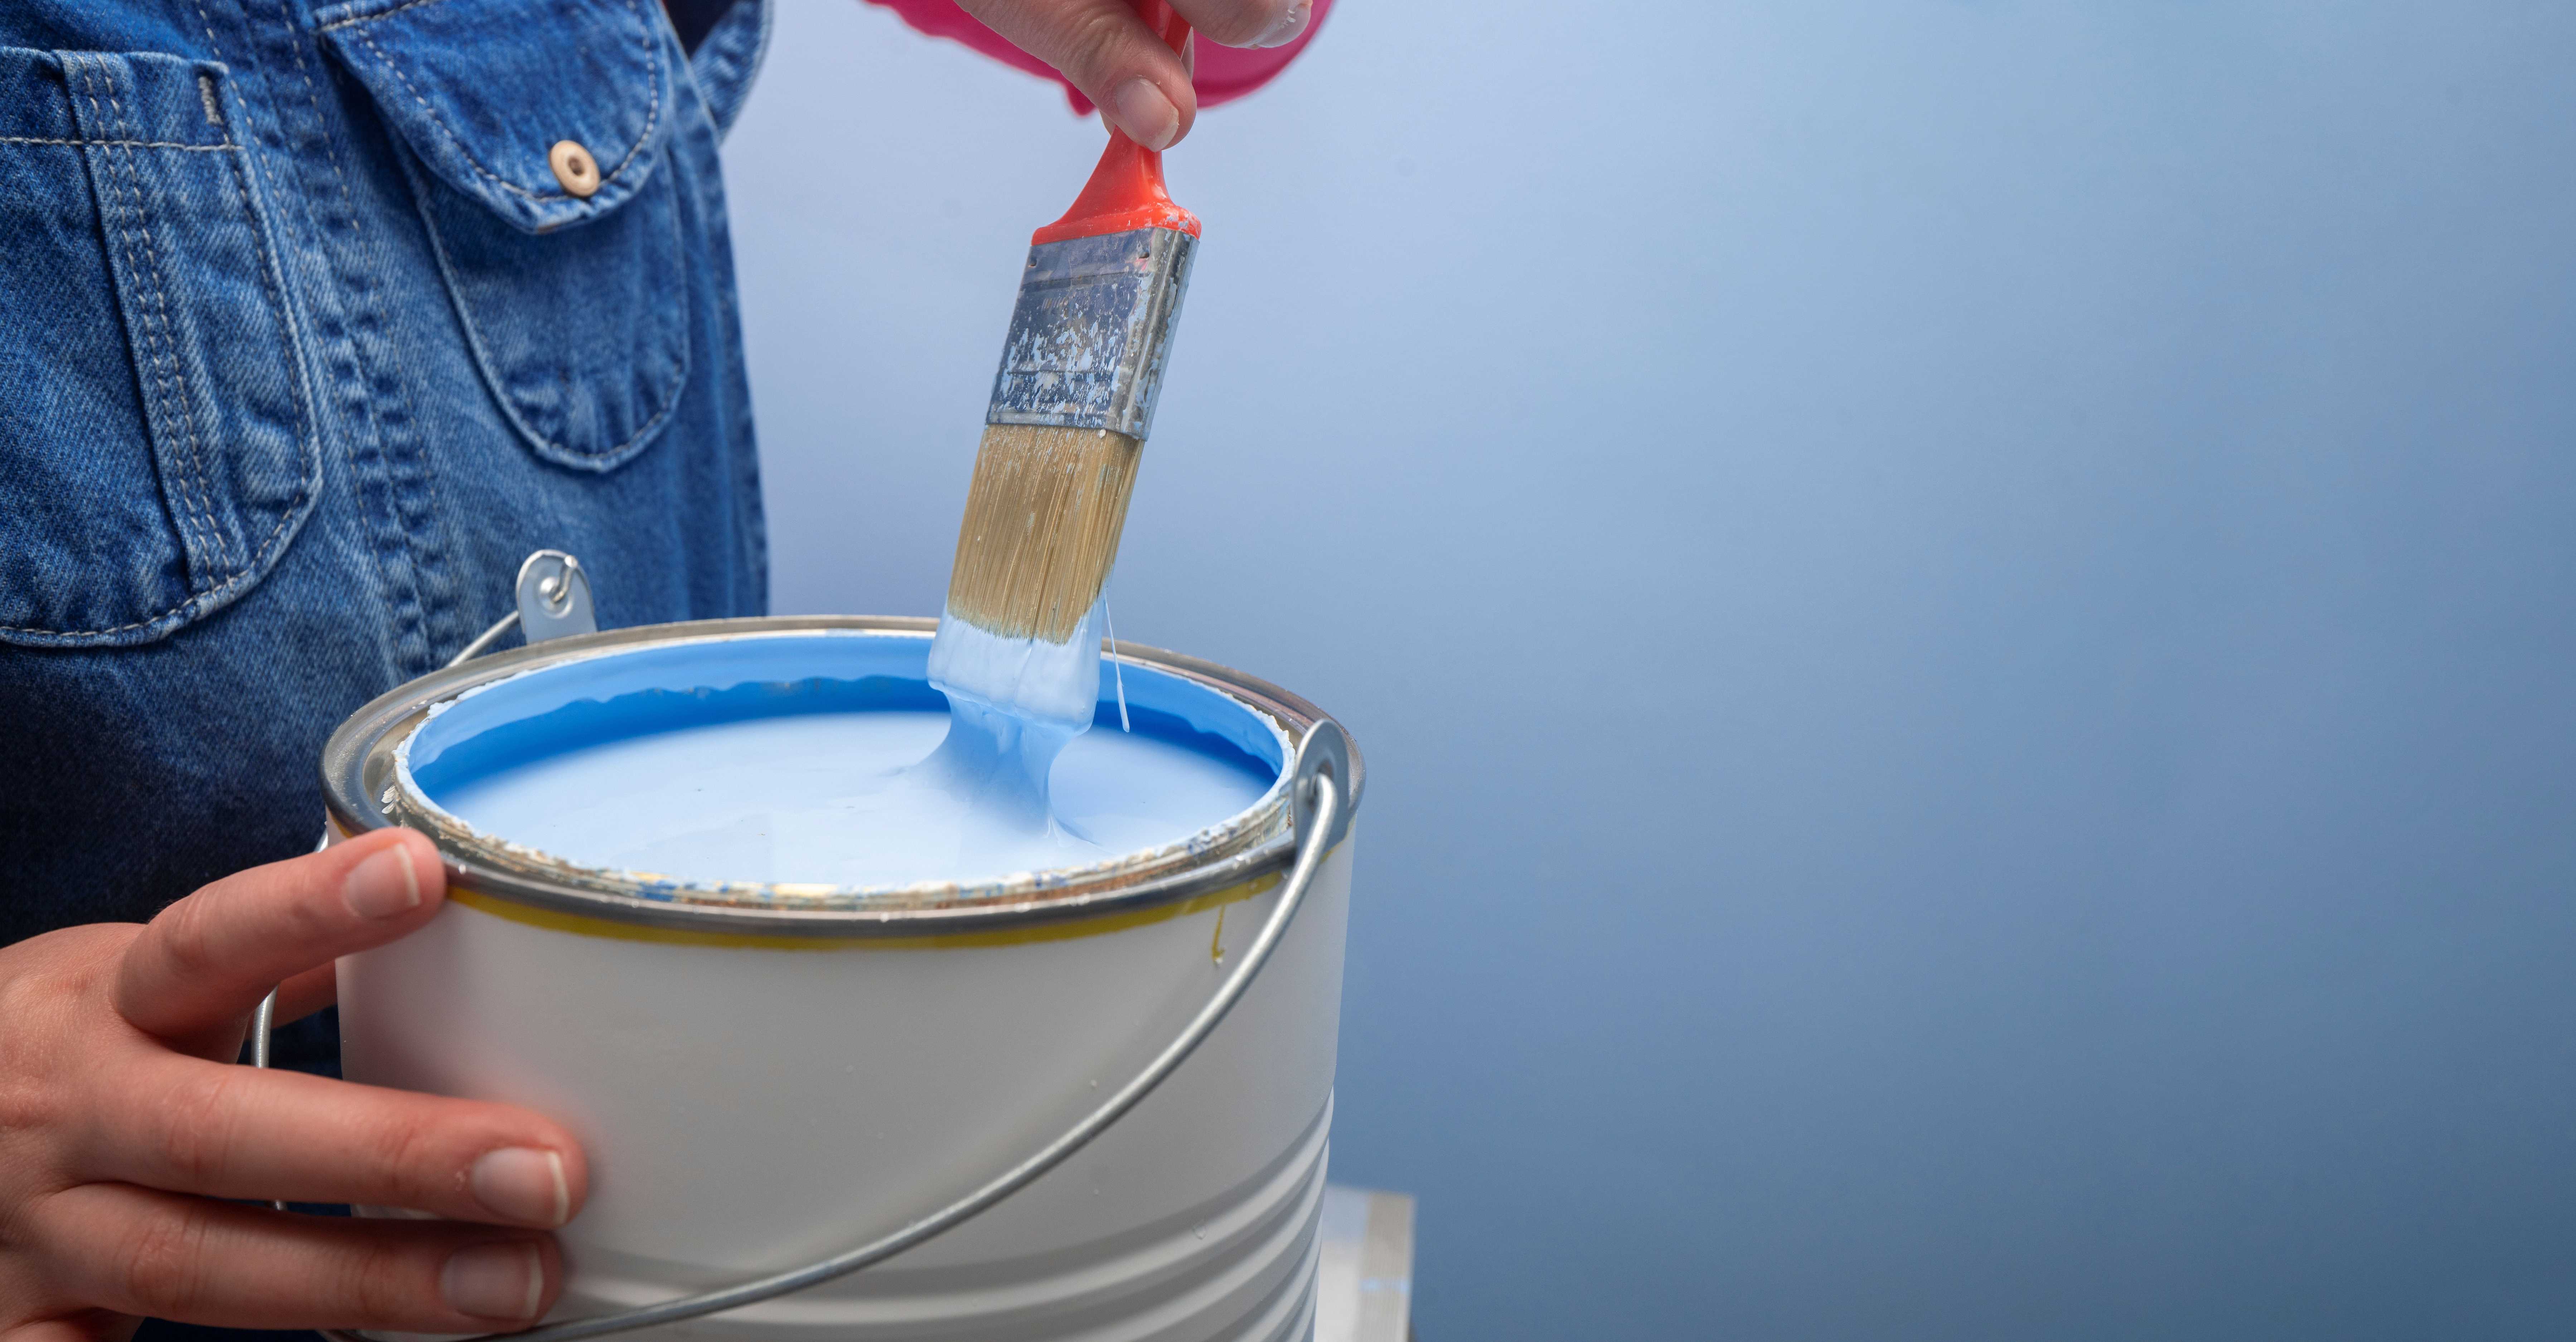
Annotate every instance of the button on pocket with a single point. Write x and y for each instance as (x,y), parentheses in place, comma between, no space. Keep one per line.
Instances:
(533,148)
(575,168)
(157,450)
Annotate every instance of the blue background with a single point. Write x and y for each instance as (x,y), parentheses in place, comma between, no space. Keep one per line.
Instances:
(1960,613)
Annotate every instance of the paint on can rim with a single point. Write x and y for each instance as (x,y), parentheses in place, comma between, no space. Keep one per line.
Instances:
(367,785)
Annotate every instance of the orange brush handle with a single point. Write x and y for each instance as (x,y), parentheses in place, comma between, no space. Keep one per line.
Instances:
(1126,191)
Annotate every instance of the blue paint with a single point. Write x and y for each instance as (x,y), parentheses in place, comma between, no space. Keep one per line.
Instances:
(468,759)
(800,759)
(1014,704)
(631,693)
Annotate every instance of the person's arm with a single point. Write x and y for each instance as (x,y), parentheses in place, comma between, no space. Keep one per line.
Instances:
(1108,53)
(127,1131)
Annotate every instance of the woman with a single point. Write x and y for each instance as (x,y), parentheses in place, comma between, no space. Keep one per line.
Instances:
(312,325)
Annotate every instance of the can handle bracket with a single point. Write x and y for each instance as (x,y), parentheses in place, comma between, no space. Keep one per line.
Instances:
(554,597)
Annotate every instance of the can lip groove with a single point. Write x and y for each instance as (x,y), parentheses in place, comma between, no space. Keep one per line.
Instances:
(356,770)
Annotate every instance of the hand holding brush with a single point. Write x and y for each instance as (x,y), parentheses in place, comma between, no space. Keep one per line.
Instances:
(1072,404)
(1113,59)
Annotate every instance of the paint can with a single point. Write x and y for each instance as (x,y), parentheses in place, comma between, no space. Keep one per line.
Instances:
(766,1075)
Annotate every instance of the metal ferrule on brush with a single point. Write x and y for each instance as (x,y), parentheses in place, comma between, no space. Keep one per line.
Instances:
(1091,329)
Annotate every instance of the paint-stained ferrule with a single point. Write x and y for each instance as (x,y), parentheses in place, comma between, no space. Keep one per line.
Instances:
(1091,331)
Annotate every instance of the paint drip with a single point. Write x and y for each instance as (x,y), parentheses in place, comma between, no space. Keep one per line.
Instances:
(1014,704)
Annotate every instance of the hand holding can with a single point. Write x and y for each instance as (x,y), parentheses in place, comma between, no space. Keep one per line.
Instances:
(129,1142)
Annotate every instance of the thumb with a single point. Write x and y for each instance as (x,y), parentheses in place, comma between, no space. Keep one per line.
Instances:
(208,959)
(1107,52)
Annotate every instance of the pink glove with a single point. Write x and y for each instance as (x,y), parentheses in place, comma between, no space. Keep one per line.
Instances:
(1222,75)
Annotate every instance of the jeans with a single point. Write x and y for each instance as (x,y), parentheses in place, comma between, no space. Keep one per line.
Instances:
(304,345)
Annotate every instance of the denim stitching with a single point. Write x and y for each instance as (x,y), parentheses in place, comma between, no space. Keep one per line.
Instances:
(152,336)
(652,114)
(355,382)
(370,18)
(170,346)
(266,543)
(205,597)
(125,144)
(273,282)
(312,99)
(161,302)
(483,362)
(202,598)
(348,202)
(272,278)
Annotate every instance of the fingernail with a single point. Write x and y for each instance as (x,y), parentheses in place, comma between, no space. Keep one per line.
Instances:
(1146,115)
(1289,25)
(521,1183)
(495,1281)
(383,886)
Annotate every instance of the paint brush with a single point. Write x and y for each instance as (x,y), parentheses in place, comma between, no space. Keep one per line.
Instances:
(1071,407)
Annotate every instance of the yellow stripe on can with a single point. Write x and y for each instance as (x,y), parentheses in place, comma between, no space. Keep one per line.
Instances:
(1067,930)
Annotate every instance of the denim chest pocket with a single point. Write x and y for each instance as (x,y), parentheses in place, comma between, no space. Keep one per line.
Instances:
(157,446)
(575,306)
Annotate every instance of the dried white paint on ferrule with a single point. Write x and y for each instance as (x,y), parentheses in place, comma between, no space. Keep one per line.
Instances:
(1091,330)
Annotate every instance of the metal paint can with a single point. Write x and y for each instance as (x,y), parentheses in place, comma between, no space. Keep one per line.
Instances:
(764,1076)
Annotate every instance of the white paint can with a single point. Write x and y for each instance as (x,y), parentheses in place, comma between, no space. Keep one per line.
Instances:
(767,1075)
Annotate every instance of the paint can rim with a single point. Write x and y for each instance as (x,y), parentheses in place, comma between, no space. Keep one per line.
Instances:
(358,769)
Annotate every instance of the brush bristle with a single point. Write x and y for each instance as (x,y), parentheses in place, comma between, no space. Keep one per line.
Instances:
(1041,528)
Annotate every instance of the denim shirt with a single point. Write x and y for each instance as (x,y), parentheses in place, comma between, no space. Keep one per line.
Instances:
(304,346)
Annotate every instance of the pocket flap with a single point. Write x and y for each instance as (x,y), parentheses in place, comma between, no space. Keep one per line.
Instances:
(482,91)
